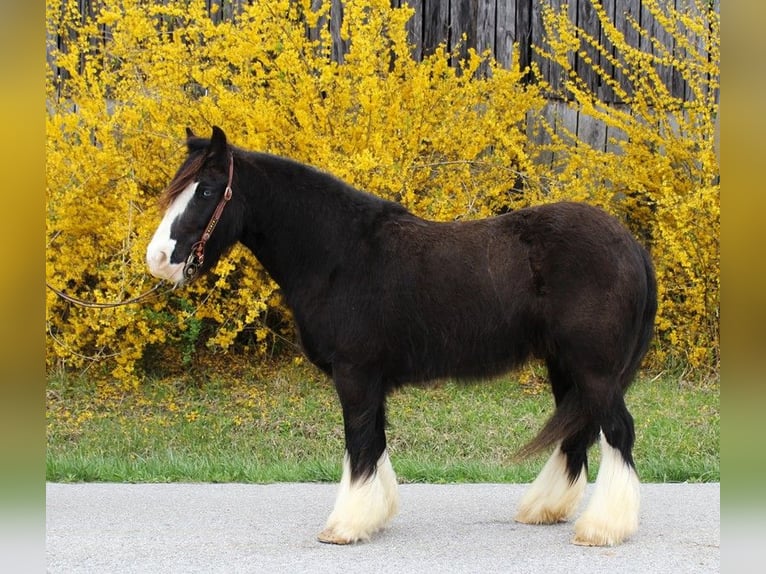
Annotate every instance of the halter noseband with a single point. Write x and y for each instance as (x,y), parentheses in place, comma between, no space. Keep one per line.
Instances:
(197,256)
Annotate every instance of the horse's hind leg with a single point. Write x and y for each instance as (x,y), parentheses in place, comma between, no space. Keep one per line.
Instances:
(368,497)
(556,492)
(612,512)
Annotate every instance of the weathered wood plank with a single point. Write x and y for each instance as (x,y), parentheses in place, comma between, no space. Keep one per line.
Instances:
(339,45)
(486,25)
(315,32)
(572,8)
(537,134)
(505,31)
(605,91)
(414,26)
(228,10)
(552,72)
(462,25)
(524,21)
(562,119)
(633,9)
(587,20)
(626,11)
(567,120)
(537,38)
(435,25)
(591,131)
(677,82)
(658,42)
(697,43)
(614,136)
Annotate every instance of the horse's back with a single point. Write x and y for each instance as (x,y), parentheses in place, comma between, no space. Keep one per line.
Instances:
(541,254)
(479,297)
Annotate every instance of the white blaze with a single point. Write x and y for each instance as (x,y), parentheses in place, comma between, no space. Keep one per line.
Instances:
(161,246)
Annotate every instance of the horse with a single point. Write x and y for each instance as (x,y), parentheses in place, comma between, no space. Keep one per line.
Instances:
(382,298)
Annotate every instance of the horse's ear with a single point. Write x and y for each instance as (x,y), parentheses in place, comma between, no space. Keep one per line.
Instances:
(218,146)
(193,143)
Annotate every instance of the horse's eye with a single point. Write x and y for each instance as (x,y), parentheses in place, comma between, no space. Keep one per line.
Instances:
(207,192)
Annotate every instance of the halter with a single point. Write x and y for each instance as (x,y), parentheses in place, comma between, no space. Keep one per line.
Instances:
(197,255)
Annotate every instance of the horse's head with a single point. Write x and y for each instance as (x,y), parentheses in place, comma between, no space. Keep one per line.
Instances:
(196,229)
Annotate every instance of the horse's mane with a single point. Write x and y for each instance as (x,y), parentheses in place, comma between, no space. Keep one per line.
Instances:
(333,187)
(183,177)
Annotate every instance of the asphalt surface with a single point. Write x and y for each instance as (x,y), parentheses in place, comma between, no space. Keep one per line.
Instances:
(232,528)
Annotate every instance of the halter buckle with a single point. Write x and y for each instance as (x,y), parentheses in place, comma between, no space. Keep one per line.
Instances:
(195,260)
(190,270)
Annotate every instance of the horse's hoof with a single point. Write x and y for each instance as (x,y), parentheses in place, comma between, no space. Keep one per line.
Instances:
(329,536)
(579,541)
(595,536)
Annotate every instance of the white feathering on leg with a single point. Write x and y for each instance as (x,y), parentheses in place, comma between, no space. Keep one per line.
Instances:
(362,508)
(552,497)
(612,512)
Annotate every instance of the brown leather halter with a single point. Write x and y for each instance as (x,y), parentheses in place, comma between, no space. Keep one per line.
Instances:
(197,256)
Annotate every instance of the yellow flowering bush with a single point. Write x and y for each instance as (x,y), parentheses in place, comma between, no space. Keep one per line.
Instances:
(447,143)
(662,175)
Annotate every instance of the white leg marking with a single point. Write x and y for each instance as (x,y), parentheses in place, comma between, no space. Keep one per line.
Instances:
(161,246)
(552,497)
(362,508)
(612,513)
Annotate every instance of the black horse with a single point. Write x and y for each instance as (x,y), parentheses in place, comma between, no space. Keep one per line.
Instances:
(382,298)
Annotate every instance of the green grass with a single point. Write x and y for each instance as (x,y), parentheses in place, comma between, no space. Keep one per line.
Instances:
(285,425)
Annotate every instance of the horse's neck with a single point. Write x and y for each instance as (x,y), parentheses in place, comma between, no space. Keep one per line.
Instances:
(296,234)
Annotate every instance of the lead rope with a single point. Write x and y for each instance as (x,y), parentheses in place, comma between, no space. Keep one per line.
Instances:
(94,305)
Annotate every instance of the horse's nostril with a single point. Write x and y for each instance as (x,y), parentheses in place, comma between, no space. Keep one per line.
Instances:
(156,257)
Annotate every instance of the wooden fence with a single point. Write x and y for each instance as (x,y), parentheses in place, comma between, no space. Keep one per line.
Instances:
(502,26)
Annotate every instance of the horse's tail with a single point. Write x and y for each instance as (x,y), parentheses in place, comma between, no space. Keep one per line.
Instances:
(567,420)
(646,326)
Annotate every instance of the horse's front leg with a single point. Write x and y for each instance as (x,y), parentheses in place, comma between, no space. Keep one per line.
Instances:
(368,497)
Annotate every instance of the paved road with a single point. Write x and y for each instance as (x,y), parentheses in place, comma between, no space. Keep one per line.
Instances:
(232,528)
